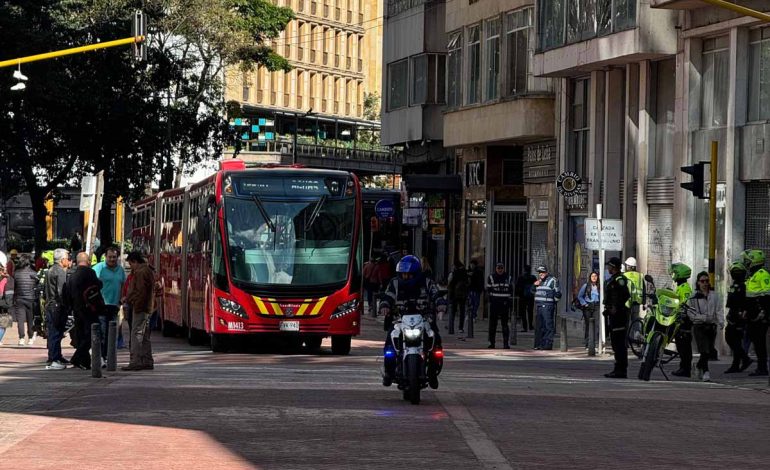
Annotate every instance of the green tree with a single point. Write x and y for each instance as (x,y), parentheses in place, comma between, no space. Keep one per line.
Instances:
(137,122)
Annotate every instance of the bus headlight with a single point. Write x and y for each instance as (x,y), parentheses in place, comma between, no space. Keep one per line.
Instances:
(232,307)
(345,309)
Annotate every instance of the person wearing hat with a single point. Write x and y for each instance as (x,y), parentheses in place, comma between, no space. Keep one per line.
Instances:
(500,291)
(635,286)
(616,294)
(547,295)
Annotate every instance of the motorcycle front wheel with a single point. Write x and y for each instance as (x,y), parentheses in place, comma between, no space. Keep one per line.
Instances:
(651,354)
(413,366)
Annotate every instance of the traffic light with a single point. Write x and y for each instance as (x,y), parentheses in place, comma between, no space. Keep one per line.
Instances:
(696,186)
(139,30)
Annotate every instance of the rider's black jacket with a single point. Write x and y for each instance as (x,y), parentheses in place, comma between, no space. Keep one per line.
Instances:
(616,295)
(736,304)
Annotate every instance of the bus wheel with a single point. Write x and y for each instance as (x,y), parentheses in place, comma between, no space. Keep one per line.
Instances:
(195,336)
(219,343)
(313,344)
(341,345)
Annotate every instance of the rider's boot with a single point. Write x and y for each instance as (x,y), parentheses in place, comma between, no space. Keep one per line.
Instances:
(681,372)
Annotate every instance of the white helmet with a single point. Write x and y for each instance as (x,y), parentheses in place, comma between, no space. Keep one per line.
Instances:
(630,262)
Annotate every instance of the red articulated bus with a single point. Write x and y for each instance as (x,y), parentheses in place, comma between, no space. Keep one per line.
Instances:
(271,250)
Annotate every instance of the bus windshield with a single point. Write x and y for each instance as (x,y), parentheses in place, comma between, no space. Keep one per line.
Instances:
(284,241)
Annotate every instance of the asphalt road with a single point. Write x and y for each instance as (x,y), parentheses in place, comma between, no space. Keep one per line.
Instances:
(494,410)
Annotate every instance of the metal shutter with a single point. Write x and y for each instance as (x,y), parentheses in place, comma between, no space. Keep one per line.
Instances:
(509,240)
(758,216)
(660,236)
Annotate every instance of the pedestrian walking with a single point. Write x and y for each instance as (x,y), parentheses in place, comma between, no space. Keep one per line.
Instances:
(526,298)
(588,299)
(368,274)
(140,295)
(736,319)
(500,291)
(475,288)
(706,316)
(82,294)
(55,311)
(126,310)
(113,277)
(457,294)
(615,308)
(547,293)
(6,298)
(25,280)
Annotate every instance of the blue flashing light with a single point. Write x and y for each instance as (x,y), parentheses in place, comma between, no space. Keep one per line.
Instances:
(390,353)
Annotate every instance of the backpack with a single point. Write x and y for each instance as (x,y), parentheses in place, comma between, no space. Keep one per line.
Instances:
(93,300)
(6,301)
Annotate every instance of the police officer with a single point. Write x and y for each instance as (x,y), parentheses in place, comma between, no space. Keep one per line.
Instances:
(616,295)
(757,306)
(680,273)
(736,318)
(635,286)
(500,291)
(547,294)
(410,289)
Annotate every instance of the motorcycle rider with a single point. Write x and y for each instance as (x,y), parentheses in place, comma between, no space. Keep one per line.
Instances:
(680,273)
(757,306)
(616,295)
(500,289)
(635,287)
(410,288)
(736,318)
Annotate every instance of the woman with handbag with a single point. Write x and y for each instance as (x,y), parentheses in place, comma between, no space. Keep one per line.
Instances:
(588,300)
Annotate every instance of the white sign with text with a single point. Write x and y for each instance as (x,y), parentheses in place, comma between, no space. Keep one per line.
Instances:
(611,235)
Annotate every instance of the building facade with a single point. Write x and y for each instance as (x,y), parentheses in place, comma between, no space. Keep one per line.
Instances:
(613,63)
(499,126)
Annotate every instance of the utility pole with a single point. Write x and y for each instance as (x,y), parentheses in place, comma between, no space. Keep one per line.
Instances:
(713,210)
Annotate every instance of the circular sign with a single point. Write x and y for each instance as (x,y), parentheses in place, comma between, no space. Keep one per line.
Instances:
(569,184)
(384,208)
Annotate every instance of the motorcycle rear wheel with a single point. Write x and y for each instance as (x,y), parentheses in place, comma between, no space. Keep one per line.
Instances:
(636,337)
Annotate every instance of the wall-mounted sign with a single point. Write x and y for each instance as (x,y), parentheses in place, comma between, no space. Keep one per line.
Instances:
(474,173)
(537,209)
(438,233)
(384,208)
(436,215)
(569,184)
(539,165)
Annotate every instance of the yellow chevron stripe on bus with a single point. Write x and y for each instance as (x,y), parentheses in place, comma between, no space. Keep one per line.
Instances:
(276,308)
(303,307)
(318,306)
(261,306)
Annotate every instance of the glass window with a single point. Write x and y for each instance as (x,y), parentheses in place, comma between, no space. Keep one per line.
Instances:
(759,75)
(420,79)
(551,23)
(398,76)
(571,21)
(664,73)
(455,69)
(474,64)
(579,125)
(714,76)
(518,29)
(491,91)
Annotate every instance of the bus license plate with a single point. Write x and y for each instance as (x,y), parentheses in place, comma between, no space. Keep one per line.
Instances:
(288,326)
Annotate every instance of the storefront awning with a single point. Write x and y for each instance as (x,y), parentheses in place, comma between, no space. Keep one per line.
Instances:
(433,183)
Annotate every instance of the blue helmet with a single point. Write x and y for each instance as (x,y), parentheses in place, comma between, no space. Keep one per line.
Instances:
(409,264)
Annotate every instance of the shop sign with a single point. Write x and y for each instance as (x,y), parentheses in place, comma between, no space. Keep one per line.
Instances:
(539,163)
(538,209)
(474,173)
(569,183)
(438,233)
(436,216)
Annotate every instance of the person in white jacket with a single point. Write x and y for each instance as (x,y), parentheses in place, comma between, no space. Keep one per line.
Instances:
(706,315)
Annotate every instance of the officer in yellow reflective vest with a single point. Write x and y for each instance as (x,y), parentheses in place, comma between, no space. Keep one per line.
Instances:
(635,287)
(757,306)
(680,273)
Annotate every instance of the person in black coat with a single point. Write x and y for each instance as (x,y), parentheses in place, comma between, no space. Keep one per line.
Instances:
(523,291)
(82,294)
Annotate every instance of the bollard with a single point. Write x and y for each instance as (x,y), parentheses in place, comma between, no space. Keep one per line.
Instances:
(96,351)
(592,336)
(469,330)
(563,346)
(112,346)
(515,327)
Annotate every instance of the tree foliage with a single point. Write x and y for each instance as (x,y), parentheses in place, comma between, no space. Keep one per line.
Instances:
(138,122)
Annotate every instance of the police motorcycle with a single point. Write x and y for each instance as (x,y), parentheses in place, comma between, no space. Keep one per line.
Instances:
(660,329)
(415,351)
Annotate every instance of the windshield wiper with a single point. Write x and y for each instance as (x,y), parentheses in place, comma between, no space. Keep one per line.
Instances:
(264,213)
(315,213)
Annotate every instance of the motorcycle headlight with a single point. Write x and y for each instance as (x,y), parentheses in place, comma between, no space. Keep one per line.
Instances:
(345,309)
(412,334)
(232,307)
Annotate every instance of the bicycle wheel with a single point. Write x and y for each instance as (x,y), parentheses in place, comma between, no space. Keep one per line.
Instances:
(636,337)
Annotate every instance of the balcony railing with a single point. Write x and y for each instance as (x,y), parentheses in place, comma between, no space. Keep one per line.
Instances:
(284,145)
